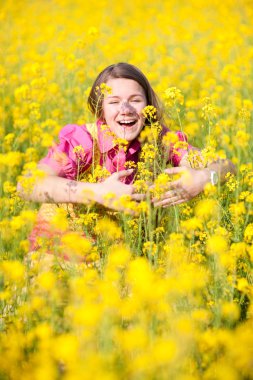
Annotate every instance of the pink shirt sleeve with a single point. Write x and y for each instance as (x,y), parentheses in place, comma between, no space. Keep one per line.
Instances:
(179,149)
(63,159)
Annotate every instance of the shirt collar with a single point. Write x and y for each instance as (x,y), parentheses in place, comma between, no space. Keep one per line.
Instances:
(106,140)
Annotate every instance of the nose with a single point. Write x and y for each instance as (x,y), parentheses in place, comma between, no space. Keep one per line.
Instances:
(126,108)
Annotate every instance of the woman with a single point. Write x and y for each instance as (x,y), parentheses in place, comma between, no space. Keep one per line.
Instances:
(121,109)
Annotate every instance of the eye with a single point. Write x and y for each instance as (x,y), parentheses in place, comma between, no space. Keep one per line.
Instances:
(113,102)
(136,100)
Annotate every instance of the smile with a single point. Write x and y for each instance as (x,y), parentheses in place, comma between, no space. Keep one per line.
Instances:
(127,123)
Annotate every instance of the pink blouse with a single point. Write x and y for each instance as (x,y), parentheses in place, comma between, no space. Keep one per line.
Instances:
(63,159)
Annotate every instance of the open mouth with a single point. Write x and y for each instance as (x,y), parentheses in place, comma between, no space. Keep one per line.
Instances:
(127,123)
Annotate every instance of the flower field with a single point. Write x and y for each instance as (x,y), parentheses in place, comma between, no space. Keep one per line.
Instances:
(150,293)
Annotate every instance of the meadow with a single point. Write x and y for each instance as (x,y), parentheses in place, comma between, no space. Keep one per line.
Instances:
(155,294)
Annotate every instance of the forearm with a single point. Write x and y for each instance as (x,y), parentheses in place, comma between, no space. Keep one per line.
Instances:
(222,167)
(53,189)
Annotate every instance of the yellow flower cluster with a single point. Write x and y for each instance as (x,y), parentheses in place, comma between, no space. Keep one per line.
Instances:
(173,97)
(149,112)
(104,89)
(150,293)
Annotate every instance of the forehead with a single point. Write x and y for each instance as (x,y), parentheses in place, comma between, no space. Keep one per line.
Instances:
(125,87)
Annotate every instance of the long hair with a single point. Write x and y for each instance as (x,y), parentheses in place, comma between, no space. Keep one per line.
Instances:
(127,71)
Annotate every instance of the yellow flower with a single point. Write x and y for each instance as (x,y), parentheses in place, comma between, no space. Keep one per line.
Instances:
(191,224)
(108,229)
(142,207)
(173,97)
(150,134)
(231,183)
(23,93)
(244,114)
(149,248)
(93,31)
(104,89)
(140,277)
(149,112)
(209,111)
(30,176)
(141,186)
(13,271)
(99,174)
(130,165)
(164,351)
(119,255)
(195,158)
(207,209)
(201,316)
(169,139)
(242,139)
(237,211)
(209,155)
(59,220)
(46,281)
(248,233)
(133,339)
(238,249)
(216,244)
(230,311)
(243,285)
(78,150)
(65,348)
(148,153)
(9,188)
(122,143)
(161,185)
(75,244)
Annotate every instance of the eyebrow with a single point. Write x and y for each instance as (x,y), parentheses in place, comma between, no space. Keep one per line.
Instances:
(131,96)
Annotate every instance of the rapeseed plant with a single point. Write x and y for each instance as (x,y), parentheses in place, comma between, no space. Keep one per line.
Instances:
(149,293)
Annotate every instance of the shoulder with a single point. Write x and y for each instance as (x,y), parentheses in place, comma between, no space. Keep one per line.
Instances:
(70,130)
(76,134)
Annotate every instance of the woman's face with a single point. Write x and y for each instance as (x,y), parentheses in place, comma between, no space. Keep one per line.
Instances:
(122,109)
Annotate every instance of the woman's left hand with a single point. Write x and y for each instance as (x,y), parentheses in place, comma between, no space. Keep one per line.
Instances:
(188,186)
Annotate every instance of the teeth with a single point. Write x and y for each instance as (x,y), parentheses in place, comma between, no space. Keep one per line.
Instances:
(127,121)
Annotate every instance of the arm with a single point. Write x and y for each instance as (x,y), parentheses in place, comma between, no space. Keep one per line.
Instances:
(221,167)
(54,189)
(192,181)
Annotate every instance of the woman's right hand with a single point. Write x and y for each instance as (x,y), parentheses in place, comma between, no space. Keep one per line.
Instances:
(109,192)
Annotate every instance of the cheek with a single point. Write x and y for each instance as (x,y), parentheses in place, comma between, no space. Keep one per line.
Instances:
(141,108)
(107,114)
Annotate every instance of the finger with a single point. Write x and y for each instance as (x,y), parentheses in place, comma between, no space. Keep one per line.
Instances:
(175,170)
(168,195)
(167,201)
(175,184)
(138,197)
(177,202)
(121,174)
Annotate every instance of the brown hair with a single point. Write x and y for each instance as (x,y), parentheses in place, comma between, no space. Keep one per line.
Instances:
(127,71)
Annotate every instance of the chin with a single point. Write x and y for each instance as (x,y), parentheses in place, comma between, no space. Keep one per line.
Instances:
(130,137)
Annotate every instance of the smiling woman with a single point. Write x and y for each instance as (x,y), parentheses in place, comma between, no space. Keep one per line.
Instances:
(118,99)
